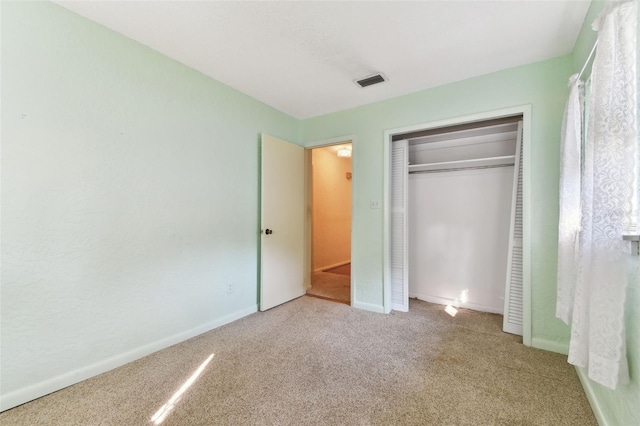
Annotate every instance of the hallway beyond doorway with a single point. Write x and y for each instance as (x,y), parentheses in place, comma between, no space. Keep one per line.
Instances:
(330,285)
(330,207)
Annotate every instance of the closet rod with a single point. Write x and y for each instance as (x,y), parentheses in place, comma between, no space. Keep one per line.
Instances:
(457,169)
(593,50)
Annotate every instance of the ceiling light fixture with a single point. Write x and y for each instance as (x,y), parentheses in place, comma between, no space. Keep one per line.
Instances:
(344,152)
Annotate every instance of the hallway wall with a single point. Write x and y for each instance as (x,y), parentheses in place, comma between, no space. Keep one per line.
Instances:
(331,208)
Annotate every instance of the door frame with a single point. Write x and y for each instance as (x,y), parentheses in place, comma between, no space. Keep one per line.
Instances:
(525,111)
(309,197)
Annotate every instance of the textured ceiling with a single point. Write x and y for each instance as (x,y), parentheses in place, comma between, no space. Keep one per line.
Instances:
(302,57)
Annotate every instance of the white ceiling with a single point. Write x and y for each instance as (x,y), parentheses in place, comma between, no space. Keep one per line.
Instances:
(302,57)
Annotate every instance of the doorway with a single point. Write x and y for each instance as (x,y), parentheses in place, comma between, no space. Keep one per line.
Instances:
(330,211)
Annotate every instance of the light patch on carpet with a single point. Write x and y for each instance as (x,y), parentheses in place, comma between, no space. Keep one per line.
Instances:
(451,310)
(462,298)
(162,413)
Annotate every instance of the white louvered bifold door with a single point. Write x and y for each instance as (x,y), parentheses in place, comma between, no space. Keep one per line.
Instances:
(513,306)
(399,223)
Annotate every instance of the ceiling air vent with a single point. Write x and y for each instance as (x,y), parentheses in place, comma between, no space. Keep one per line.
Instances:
(371,79)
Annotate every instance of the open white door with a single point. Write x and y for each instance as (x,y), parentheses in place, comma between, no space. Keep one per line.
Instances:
(514,294)
(399,226)
(282,222)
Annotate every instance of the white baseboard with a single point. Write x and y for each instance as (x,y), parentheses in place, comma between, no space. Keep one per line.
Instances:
(587,385)
(368,307)
(548,345)
(31,392)
(335,265)
(466,305)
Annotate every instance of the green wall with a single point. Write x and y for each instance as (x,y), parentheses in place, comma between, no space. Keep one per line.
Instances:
(129,200)
(544,86)
(130,196)
(619,407)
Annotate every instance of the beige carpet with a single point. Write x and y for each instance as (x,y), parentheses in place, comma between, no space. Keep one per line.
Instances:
(342,270)
(332,286)
(315,362)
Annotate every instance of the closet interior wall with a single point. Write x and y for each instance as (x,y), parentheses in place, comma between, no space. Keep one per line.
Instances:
(460,202)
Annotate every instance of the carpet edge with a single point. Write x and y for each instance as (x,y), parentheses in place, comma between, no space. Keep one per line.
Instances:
(37,390)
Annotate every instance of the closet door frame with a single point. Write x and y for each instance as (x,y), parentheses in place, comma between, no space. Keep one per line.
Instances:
(525,111)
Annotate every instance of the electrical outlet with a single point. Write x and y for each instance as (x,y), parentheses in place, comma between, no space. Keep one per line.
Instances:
(230,288)
(375,204)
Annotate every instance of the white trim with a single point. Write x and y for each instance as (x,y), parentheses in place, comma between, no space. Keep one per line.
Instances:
(368,306)
(551,346)
(386,222)
(31,392)
(336,141)
(331,141)
(526,225)
(525,110)
(445,301)
(308,218)
(335,265)
(597,409)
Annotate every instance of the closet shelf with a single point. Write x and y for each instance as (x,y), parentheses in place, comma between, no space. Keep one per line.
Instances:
(507,160)
(635,243)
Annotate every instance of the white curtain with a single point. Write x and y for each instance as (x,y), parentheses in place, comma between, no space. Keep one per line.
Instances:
(569,220)
(609,198)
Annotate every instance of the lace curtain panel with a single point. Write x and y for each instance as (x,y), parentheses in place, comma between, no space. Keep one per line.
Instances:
(569,219)
(608,198)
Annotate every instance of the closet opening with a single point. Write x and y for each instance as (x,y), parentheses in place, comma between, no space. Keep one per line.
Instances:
(330,216)
(455,208)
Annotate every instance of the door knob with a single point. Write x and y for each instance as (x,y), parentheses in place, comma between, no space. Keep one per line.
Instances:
(268,232)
